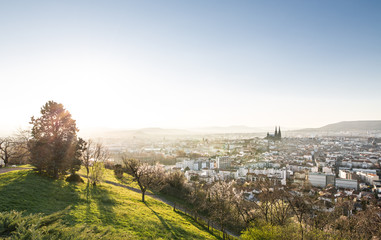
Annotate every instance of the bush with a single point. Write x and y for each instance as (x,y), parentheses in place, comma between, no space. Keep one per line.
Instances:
(109,165)
(97,171)
(175,184)
(267,231)
(118,171)
(74,178)
(16,225)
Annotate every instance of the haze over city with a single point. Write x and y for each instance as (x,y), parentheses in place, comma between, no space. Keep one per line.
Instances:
(203,119)
(176,64)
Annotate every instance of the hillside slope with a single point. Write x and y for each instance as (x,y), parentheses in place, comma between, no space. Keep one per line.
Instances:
(345,126)
(115,209)
(353,126)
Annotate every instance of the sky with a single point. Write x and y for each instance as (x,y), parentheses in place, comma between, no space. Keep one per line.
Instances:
(189,64)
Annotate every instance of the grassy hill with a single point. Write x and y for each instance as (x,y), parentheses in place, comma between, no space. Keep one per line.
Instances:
(109,208)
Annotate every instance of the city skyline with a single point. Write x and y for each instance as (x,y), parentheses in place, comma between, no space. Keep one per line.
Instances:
(169,64)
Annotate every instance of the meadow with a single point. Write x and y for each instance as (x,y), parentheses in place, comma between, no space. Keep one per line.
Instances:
(110,210)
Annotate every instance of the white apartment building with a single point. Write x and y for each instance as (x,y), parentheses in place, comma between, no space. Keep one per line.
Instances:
(321,179)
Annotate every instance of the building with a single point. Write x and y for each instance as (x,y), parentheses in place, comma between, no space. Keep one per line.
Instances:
(347,183)
(321,179)
(276,136)
(367,177)
(224,162)
(346,174)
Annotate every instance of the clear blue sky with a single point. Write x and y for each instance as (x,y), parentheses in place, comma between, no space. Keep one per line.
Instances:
(129,64)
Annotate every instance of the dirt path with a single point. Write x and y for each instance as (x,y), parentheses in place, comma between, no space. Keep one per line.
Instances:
(4,170)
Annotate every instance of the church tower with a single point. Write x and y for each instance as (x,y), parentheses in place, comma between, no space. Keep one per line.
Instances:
(276,132)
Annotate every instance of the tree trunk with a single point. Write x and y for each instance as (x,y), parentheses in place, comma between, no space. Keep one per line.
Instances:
(301,229)
(143,194)
(55,173)
(6,160)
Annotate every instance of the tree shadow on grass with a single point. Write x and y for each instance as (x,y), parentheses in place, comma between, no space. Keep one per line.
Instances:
(32,193)
(166,225)
(199,225)
(105,204)
(178,231)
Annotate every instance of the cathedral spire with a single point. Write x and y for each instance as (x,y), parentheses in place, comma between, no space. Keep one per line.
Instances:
(276,132)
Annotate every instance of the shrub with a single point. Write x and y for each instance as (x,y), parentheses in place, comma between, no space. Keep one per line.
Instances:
(109,165)
(265,231)
(97,171)
(74,178)
(118,171)
(16,225)
(175,184)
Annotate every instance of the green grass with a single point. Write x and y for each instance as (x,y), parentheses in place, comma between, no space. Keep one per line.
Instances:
(116,209)
(24,166)
(110,176)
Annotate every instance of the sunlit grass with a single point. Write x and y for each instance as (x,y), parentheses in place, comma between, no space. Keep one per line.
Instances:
(105,206)
(110,176)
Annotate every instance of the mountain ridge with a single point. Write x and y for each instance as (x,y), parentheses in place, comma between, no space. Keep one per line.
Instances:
(360,125)
(343,126)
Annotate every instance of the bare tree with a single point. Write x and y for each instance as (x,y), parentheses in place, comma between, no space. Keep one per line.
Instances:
(13,149)
(98,156)
(87,153)
(21,146)
(145,175)
(221,203)
(246,209)
(6,149)
(197,198)
(270,204)
(301,206)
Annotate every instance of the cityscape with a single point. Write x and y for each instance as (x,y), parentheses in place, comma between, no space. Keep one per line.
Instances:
(252,120)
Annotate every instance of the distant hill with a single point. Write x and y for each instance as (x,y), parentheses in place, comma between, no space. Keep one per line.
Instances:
(232,129)
(141,133)
(371,125)
(153,131)
(162,132)
(353,126)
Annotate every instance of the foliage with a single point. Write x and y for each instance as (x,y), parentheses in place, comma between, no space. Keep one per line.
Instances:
(266,231)
(118,171)
(74,178)
(15,225)
(293,213)
(109,164)
(53,146)
(175,185)
(96,173)
(151,157)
